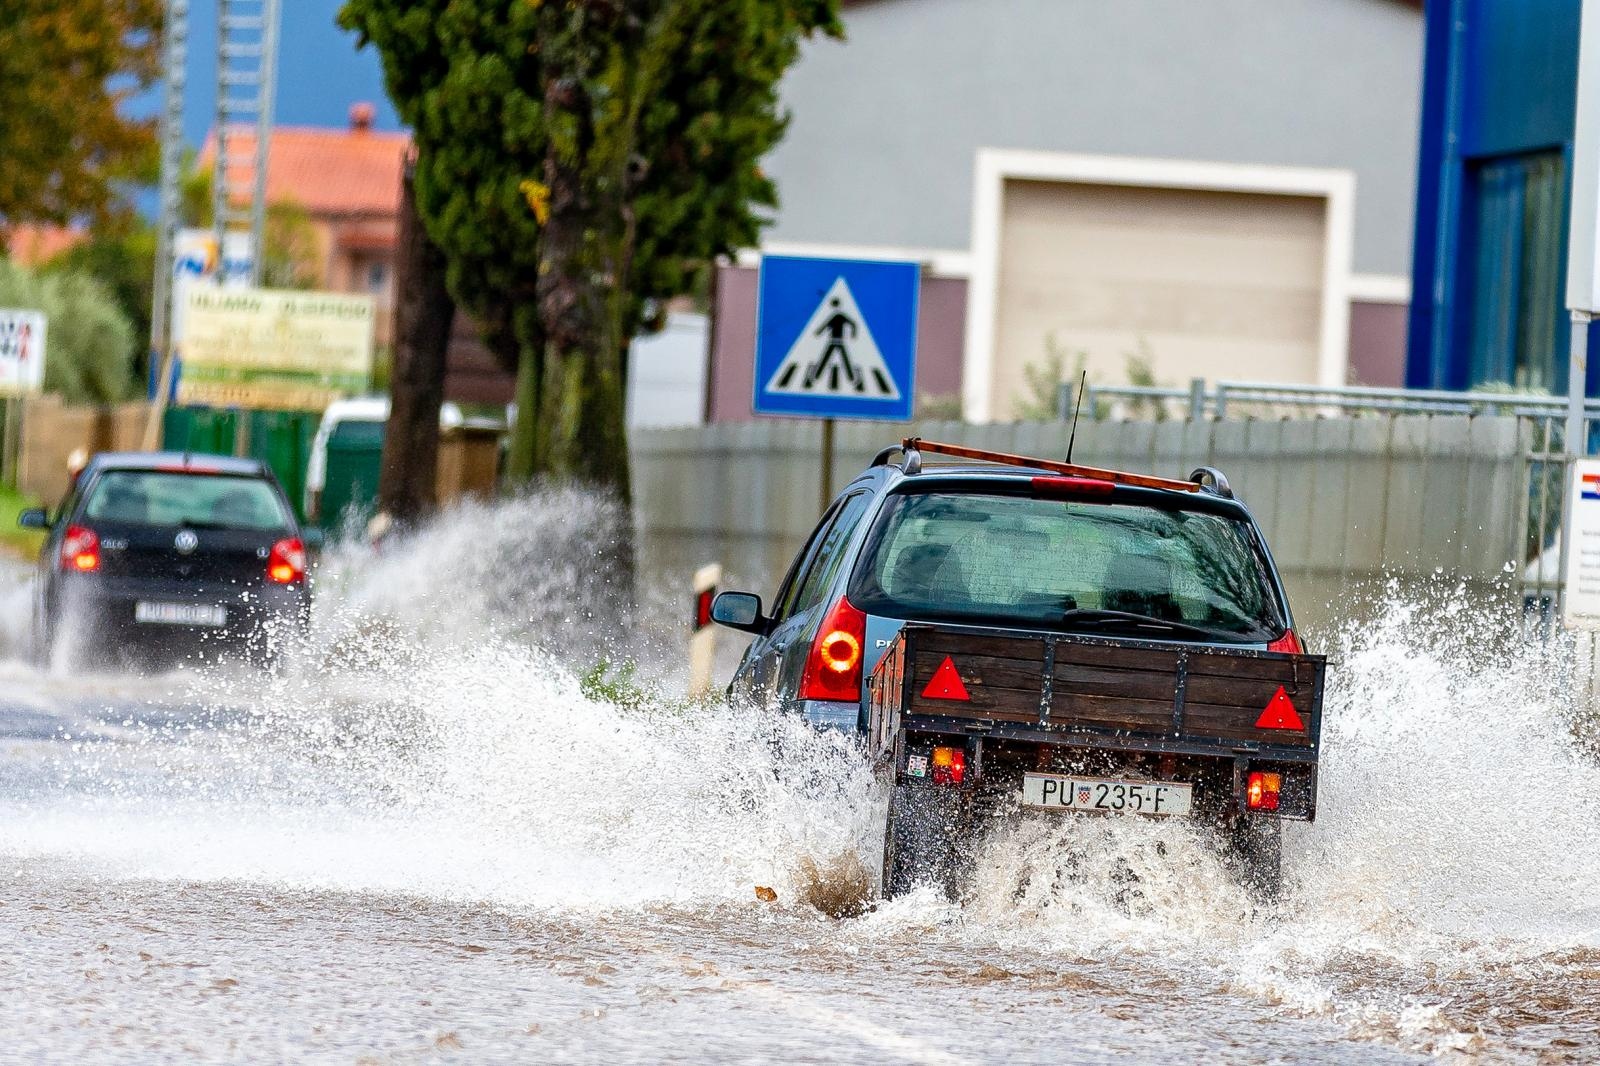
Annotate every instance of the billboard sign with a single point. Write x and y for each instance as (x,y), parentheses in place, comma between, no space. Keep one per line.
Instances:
(21,351)
(274,349)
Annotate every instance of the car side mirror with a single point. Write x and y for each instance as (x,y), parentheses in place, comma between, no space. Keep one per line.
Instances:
(33,518)
(739,610)
(313,538)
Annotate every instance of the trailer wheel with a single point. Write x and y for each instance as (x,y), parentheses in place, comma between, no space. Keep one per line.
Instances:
(1255,851)
(926,841)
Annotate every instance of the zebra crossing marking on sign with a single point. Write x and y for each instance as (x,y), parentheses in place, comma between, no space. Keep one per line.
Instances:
(835,354)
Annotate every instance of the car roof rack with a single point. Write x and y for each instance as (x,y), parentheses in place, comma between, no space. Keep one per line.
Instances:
(913,447)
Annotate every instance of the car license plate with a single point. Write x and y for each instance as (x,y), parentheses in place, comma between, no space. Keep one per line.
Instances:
(180,614)
(1105,795)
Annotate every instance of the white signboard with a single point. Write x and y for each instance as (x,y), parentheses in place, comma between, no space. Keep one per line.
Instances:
(196,261)
(21,352)
(1580,593)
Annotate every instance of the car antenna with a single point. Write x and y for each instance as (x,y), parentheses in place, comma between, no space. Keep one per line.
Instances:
(1072,439)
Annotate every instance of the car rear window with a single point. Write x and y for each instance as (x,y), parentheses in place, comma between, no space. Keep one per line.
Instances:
(1021,560)
(169,498)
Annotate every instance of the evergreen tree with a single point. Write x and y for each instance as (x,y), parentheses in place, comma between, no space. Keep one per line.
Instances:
(579,161)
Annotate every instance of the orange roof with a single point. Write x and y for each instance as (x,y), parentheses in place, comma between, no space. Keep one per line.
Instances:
(328,171)
(36,245)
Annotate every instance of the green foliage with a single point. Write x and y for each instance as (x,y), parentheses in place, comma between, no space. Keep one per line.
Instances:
(23,543)
(88,339)
(579,163)
(122,254)
(617,685)
(67,150)
(1043,381)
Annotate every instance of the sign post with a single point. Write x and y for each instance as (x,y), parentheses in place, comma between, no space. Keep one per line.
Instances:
(1583,286)
(836,338)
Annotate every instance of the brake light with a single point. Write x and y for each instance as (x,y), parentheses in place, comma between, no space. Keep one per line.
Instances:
(949,766)
(80,550)
(1070,486)
(1288,644)
(286,563)
(833,666)
(1261,794)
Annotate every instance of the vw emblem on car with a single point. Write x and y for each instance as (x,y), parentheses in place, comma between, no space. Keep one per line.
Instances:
(186,541)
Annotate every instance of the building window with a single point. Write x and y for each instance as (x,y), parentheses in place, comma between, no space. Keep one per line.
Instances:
(377,276)
(1516,208)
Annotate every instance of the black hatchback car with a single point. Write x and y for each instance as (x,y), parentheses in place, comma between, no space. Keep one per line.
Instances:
(163,550)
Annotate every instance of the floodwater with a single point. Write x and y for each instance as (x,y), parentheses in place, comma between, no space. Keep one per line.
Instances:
(430,839)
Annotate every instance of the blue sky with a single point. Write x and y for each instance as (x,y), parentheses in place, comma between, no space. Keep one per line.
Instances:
(320,73)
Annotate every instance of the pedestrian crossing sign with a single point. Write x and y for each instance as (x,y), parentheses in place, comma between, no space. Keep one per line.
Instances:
(836,338)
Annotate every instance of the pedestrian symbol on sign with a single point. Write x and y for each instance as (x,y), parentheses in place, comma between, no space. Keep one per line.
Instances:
(835,354)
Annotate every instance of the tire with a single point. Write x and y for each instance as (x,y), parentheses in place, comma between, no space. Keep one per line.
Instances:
(926,841)
(1255,852)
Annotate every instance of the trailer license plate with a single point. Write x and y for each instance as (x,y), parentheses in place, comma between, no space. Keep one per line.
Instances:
(1105,795)
(180,614)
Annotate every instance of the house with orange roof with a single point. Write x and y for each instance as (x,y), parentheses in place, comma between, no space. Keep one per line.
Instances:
(348,182)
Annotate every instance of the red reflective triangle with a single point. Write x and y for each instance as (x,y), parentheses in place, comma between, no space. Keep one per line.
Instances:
(945,684)
(1280,713)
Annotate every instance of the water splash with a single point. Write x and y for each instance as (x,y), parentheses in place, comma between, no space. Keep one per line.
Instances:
(435,738)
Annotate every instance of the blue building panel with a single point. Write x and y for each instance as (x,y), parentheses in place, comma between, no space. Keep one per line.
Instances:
(1493,190)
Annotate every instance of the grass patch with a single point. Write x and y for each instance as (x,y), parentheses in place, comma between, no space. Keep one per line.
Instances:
(24,543)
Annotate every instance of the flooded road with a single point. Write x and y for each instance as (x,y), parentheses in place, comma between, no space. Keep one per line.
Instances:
(432,840)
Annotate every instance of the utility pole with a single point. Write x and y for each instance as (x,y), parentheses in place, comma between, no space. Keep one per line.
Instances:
(175,58)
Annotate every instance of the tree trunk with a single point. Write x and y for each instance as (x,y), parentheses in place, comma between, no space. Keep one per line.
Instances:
(424,313)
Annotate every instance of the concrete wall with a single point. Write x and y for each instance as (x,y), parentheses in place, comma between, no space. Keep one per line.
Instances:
(1342,501)
(886,124)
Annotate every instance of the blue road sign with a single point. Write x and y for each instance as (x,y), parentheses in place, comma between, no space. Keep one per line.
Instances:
(836,338)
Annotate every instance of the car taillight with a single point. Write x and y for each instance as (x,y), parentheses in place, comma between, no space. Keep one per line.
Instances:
(1261,792)
(80,550)
(287,562)
(833,666)
(1289,644)
(949,766)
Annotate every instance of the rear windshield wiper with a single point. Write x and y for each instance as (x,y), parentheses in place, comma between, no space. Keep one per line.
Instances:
(1089,618)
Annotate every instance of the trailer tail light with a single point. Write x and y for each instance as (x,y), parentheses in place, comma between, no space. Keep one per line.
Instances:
(1261,794)
(286,563)
(949,766)
(1071,486)
(833,666)
(1288,644)
(80,550)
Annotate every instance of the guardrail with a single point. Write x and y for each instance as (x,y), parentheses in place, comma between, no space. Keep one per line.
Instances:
(1235,398)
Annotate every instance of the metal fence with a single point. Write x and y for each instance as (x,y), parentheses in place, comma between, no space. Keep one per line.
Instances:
(1541,431)
(1254,399)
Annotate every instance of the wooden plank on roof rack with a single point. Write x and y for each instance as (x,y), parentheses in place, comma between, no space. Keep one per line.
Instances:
(960,451)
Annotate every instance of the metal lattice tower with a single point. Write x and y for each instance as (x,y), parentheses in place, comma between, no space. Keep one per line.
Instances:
(175,57)
(247,67)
